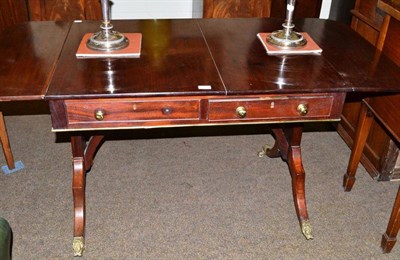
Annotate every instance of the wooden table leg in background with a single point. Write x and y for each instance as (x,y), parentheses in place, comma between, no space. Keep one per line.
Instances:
(82,159)
(389,237)
(6,144)
(364,124)
(287,146)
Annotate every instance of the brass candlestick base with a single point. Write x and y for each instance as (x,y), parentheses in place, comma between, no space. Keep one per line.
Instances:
(107,39)
(285,39)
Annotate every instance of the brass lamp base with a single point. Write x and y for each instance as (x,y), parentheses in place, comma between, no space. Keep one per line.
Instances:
(107,39)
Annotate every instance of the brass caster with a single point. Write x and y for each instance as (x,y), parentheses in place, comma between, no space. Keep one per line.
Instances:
(306,229)
(79,246)
(262,153)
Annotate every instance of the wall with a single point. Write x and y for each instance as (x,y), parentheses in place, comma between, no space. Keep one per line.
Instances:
(325,9)
(156,9)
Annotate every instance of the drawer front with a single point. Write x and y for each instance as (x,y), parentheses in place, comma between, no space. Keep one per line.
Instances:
(275,108)
(107,111)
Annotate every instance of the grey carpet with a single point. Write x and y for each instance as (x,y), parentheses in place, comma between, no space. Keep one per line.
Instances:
(189,197)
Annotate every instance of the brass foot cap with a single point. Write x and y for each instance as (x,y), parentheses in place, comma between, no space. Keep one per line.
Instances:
(264,151)
(79,246)
(306,229)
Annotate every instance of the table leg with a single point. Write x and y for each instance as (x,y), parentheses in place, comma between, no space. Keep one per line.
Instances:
(6,144)
(389,238)
(275,151)
(287,146)
(362,131)
(82,159)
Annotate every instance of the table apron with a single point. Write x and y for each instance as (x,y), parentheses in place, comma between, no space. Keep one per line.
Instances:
(123,113)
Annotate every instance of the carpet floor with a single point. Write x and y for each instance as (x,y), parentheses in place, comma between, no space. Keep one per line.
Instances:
(191,193)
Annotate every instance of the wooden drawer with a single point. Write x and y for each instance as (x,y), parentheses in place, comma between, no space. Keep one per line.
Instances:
(104,111)
(278,108)
(91,114)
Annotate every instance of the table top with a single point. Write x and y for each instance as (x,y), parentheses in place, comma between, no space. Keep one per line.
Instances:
(174,59)
(383,108)
(28,54)
(178,56)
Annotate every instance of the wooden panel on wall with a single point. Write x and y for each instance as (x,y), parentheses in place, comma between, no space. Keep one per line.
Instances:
(236,8)
(61,10)
(12,12)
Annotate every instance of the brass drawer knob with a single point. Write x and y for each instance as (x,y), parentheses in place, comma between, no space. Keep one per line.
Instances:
(99,114)
(241,112)
(302,109)
(167,110)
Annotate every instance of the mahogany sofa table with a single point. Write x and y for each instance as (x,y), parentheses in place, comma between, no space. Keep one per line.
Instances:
(210,72)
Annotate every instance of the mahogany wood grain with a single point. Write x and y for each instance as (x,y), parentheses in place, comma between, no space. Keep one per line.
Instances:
(234,8)
(287,145)
(12,12)
(273,108)
(174,60)
(392,40)
(92,10)
(390,7)
(78,184)
(5,143)
(82,159)
(92,147)
(29,53)
(61,10)
(79,114)
(383,108)
(58,114)
(343,65)
(233,45)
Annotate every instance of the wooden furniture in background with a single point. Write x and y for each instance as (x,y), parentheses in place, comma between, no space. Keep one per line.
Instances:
(5,143)
(381,155)
(18,11)
(258,8)
(367,19)
(386,111)
(234,8)
(12,12)
(379,108)
(61,10)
